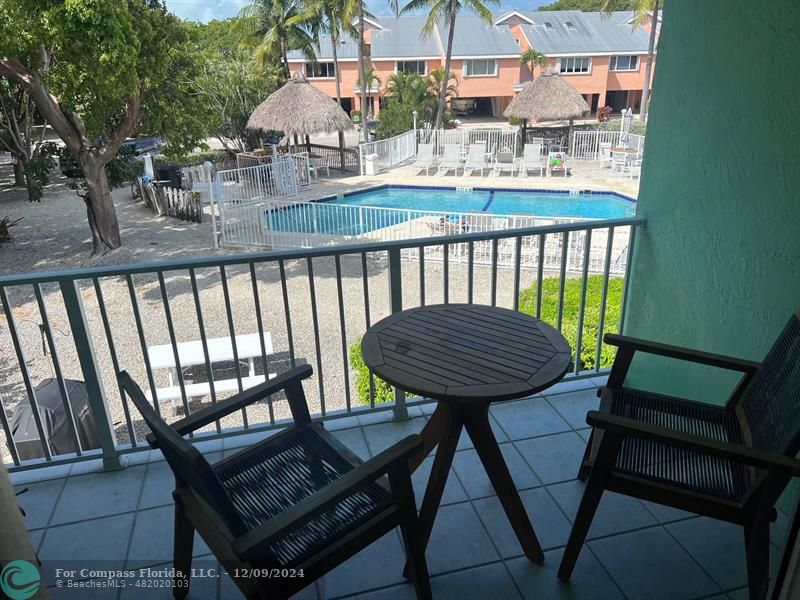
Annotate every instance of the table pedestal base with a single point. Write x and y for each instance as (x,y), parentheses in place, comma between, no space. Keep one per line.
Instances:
(443,430)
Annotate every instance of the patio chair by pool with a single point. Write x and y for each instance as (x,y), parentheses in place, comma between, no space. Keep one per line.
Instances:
(728,462)
(504,161)
(476,159)
(532,159)
(605,154)
(298,501)
(425,159)
(451,159)
(557,163)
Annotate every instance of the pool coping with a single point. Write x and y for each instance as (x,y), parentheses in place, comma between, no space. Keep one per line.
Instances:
(472,188)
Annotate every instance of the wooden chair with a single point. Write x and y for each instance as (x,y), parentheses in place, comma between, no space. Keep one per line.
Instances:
(297,504)
(728,462)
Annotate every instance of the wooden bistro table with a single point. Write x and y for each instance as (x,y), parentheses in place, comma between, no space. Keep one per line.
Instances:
(466,357)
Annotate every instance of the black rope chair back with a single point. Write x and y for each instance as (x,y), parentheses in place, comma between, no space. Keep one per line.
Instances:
(188,465)
(771,402)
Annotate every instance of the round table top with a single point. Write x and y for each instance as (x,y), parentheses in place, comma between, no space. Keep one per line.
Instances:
(624,150)
(466,352)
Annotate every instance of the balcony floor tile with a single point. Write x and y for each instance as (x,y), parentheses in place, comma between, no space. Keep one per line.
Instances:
(476,482)
(573,406)
(589,581)
(528,418)
(651,564)
(553,458)
(551,526)
(615,514)
(635,547)
(458,540)
(99,494)
(95,544)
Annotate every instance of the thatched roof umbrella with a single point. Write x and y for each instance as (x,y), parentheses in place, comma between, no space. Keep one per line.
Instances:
(547,98)
(298,108)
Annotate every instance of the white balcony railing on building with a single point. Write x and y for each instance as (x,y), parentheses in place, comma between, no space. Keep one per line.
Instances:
(308,305)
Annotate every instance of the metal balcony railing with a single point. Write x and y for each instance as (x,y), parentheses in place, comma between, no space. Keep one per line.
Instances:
(167,323)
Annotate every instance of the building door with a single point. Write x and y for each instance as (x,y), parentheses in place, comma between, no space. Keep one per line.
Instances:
(595,100)
(347,105)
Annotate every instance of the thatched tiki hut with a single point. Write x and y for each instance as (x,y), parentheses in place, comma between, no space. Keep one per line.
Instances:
(547,98)
(300,109)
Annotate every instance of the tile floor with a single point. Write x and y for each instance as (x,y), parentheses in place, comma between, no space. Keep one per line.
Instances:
(635,549)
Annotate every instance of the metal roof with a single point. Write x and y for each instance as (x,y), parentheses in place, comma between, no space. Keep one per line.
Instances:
(401,37)
(475,37)
(347,49)
(572,32)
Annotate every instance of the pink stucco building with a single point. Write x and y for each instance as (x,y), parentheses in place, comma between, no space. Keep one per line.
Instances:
(601,56)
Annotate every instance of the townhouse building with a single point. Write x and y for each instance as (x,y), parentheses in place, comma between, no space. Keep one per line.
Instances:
(601,56)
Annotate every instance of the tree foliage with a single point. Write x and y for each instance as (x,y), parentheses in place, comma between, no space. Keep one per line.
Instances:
(407,92)
(588,5)
(99,70)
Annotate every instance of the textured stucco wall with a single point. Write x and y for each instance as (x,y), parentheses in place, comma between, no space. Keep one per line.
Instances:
(718,267)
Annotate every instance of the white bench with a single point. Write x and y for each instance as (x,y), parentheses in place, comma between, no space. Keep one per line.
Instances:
(248,347)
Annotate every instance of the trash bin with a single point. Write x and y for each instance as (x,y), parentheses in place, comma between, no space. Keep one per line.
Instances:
(54,421)
(171,173)
(371,164)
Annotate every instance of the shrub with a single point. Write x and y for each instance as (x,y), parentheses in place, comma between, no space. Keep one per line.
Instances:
(396,118)
(569,324)
(603,113)
(383,391)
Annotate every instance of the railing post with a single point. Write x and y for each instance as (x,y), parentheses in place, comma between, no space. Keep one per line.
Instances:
(91,374)
(396,305)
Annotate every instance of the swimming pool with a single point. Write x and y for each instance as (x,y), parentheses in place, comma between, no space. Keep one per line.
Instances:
(391,205)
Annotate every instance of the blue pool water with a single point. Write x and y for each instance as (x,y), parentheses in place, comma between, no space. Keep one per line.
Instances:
(329,216)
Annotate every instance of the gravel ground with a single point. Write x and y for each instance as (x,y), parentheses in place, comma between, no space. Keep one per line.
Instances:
(53,236)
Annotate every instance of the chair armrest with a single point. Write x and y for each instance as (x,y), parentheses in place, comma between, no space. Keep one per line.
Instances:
(249,546)
(208,415)
(687,354)
(751,456)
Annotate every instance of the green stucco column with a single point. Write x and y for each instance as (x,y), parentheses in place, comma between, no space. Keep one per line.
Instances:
(718,267)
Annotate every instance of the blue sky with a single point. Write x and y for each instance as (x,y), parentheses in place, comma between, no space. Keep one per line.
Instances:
(205,10)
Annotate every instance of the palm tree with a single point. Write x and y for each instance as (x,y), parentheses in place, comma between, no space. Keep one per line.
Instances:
(366,83)
(642,11)
(446,11)
(277,26)
(533,58)
(334,17)
(409,89)
(362,79)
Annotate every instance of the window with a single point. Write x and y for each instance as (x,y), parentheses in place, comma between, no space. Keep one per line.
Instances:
(579,64)
(548,25)
(411,66)
(483,66)
(624,63)
(325,70)
(569,25)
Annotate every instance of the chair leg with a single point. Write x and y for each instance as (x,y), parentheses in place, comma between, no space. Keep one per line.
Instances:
(586,468)
(416,564)
(756,538)
(182,552)
(606,456)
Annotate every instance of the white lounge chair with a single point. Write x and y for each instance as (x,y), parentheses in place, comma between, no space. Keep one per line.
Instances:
(504,161)
(451,159)
(425,159)
(532,159)
(476,159)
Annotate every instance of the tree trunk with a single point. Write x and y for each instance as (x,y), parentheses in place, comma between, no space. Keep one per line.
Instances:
(99,206)
(446,80)
(361,78)
(19,173)
(648,69)
(337,78)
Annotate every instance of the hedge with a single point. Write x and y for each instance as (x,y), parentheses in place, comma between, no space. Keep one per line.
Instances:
(572,299)
(549,309)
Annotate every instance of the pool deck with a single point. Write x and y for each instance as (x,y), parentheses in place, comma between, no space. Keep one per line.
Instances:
(585,175)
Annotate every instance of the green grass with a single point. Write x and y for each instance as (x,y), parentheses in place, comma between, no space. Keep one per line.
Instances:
(549,310)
